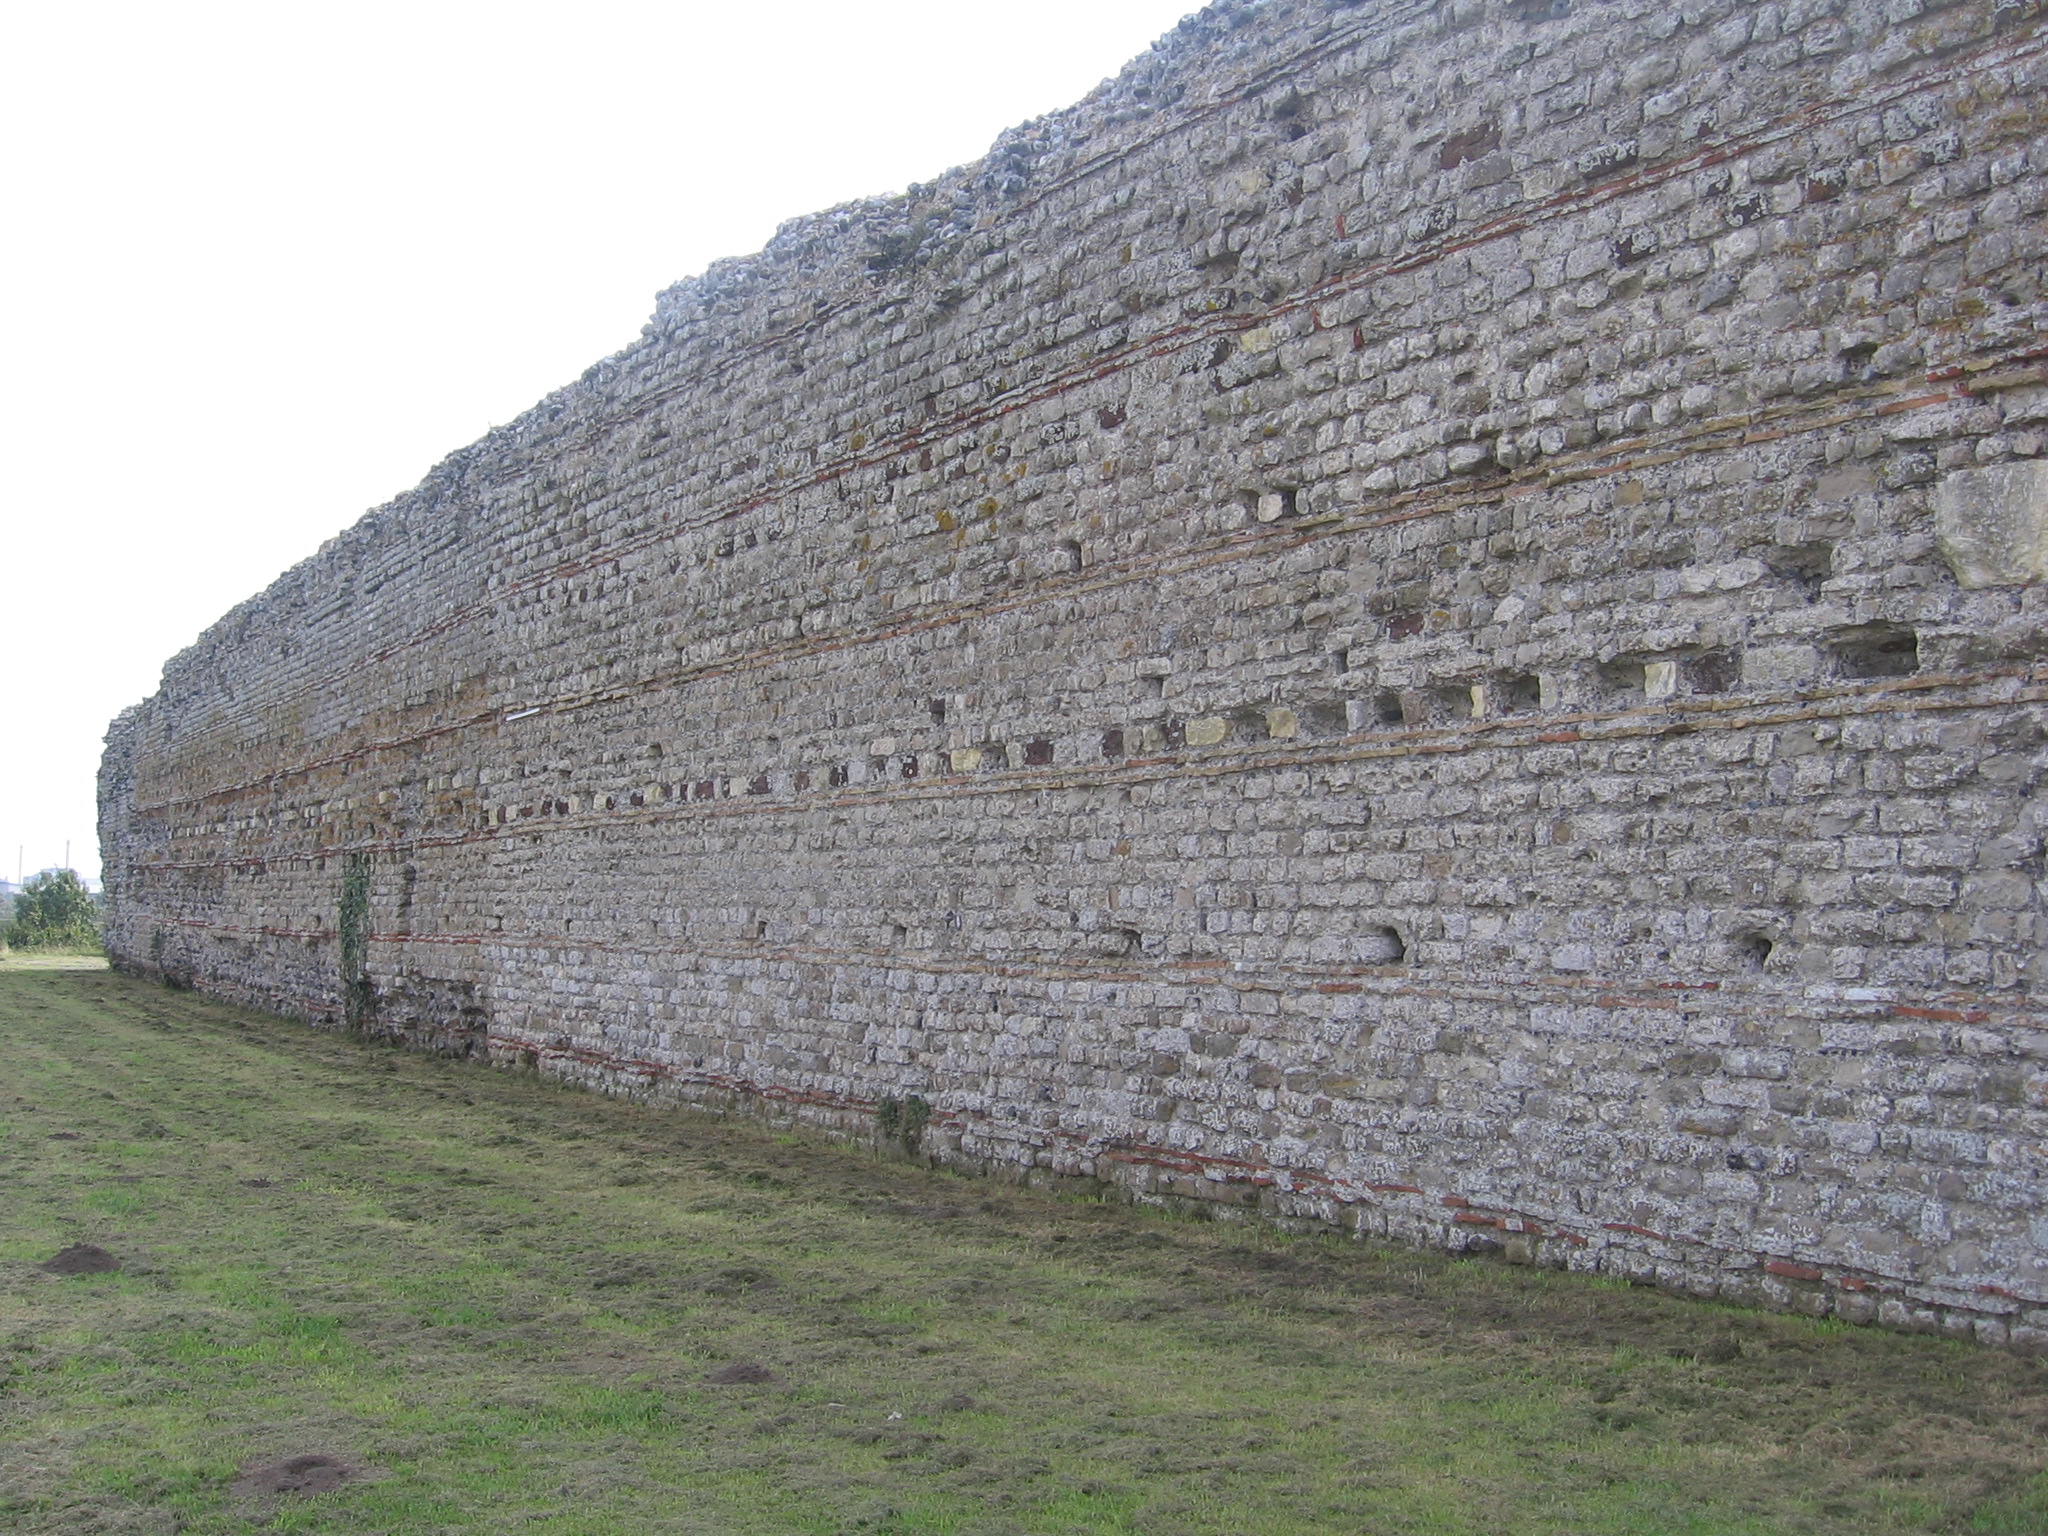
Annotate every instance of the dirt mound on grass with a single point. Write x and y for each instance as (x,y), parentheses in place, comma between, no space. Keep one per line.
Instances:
(299,1474)
(82,1259)
(747,1373)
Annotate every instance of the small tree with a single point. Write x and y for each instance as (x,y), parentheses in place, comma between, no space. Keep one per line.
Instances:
(55,911)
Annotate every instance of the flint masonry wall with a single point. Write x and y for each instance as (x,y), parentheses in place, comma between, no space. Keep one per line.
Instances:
(1423,615)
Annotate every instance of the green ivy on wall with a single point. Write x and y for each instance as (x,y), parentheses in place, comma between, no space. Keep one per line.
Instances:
(358,995)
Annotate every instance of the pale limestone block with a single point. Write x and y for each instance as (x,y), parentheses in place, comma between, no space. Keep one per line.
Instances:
(1660,679)
(1281,724)
(1992,523)
(1208,731)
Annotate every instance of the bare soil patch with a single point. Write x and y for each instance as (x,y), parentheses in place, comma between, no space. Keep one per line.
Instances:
(747,1373)
(298,1474)
(82,1259)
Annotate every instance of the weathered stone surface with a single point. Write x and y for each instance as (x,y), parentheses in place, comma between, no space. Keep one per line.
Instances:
(1353,626)
(1993,523)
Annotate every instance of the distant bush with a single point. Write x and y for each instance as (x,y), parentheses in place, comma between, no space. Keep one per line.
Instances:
(54,911)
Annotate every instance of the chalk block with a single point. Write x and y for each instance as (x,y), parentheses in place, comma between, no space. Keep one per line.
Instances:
(1992,524)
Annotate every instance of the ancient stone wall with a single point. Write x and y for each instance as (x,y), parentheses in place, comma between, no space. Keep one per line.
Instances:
(1427,615)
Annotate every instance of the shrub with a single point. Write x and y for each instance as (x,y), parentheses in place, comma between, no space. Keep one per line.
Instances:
(54,911)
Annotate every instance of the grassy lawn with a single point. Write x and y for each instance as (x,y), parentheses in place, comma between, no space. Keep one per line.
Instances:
(499,1302)
(42,960)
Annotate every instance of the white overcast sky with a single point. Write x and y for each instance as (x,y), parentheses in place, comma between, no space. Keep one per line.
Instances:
(264,264)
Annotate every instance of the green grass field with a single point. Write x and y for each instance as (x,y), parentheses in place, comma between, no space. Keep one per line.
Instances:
(500,1301)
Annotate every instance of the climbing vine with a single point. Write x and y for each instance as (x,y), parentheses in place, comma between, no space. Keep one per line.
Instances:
(358,996)
(903,1120)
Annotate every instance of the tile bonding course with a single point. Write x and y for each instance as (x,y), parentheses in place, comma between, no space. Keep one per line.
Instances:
(1427,615)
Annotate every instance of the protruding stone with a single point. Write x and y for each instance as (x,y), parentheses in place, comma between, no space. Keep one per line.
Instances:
(1993,523)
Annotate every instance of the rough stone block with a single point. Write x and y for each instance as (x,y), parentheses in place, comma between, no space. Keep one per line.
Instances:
(1992,523)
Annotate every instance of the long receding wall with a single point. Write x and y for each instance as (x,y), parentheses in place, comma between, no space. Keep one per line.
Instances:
(1428,615)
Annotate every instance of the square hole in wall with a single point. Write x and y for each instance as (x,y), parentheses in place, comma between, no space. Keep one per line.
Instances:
(1381,944)
(1623,679)
(1805,566)
(1875,650)
(1519,695)
(1272,503)
(1713,672)
(1452,701)
(1328,718)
